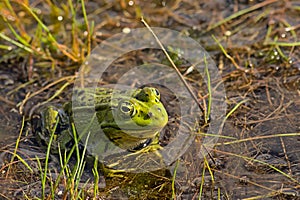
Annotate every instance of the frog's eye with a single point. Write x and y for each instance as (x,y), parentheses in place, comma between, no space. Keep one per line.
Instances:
(128,108)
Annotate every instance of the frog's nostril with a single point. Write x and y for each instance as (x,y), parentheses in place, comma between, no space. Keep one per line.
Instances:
(148,116)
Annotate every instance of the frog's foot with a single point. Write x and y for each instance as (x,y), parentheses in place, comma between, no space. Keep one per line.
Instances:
(132,161)
(148,149)
(111,173)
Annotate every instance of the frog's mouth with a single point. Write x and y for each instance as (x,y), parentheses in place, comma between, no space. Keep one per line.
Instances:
(141,145)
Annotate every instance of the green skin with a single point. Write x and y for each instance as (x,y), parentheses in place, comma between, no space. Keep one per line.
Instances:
(130,119)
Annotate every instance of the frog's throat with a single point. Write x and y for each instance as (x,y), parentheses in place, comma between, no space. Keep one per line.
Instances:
(127,142)
(138,132)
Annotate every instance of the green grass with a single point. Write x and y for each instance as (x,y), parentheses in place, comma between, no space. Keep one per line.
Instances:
(14,154)
(35,42)
(70,174)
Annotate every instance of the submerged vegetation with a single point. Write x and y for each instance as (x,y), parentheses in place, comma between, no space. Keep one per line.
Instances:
(255,45)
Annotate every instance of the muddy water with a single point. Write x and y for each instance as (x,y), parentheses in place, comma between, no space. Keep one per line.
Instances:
(273,111)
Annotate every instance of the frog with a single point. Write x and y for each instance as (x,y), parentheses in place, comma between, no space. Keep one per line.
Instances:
(118,120)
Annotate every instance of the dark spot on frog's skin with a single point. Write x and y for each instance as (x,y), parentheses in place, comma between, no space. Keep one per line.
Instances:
(81,92)
(159,109)
(156,100)
(70,144)
(140,113)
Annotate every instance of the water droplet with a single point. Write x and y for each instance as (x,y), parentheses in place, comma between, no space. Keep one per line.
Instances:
(130,3)
(60,18)
(11,18)
(228,33)
(126,30)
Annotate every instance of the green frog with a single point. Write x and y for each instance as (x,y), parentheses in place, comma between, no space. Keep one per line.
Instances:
(111,121)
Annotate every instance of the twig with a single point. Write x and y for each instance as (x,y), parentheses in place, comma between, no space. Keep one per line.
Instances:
(227,55)
(173,65)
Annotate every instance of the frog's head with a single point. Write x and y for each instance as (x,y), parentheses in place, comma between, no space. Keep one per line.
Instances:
(141,115)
